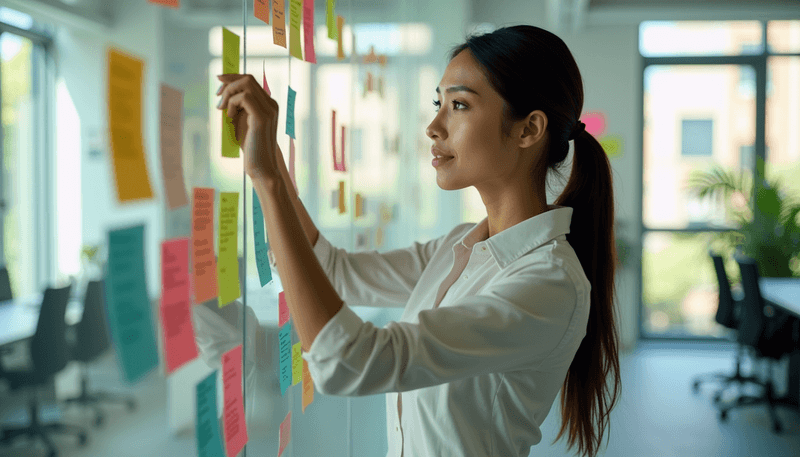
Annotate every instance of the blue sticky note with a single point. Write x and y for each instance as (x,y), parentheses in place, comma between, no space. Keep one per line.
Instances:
(128,305)
(290,113)
(285,356)
(261,245)
(209,440)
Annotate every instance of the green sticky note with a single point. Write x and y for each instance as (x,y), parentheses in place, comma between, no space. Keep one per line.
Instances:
(230,65)
(331,20)
(127,304)
(228,263)
(297,363)
(295,16)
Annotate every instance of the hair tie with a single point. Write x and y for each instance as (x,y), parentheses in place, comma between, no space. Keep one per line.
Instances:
(578,129)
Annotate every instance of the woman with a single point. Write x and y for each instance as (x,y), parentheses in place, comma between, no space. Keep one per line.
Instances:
(498,316)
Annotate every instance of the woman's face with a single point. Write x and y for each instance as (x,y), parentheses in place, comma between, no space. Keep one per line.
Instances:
(467,126)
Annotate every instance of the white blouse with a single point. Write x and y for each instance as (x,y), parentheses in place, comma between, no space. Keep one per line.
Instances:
(489,330)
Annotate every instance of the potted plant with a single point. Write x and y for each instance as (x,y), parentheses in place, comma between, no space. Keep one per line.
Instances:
(774,239)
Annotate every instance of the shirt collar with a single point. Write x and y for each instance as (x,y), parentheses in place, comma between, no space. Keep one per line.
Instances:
(516,241)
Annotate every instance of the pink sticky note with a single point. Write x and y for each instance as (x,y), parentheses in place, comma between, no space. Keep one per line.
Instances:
(308,28)
(235,426)
(595,123)
(291,164)
(283,310)
(266,87)
(285,433)
(342,166)
(176,304)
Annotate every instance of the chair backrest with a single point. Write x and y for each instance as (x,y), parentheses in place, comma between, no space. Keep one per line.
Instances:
(5,285)
(726,310)
(92,338)
(49,351)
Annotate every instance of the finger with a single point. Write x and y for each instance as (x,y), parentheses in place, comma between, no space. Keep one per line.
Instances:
(241,102)
(236,84)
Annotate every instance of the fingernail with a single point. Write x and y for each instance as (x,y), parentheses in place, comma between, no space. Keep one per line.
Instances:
(220,87)
(220,103)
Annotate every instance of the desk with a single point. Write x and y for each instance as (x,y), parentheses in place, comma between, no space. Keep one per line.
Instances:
(19,317)
(785,293)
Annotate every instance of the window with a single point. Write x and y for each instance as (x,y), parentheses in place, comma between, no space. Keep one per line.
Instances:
(696,137)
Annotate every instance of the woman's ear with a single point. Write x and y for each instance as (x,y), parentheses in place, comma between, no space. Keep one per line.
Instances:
(534,129)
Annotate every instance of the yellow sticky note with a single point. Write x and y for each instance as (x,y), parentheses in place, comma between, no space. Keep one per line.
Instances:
(297,363)
(339,27)
(331,19)
(228,263)
(125,126)
(613,145)
(308,386)
(359,205)
(295,17)
(341,197)
(230,65)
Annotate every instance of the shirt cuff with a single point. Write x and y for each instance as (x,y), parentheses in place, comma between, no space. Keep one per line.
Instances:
(335,336)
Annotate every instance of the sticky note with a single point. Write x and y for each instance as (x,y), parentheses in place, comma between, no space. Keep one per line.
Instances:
(176,312)
(613,145)
(331,19)
(125,126)
(342,165)
(359,205)
(334,198)
(308,386)
(595,123)
(378,237)
(260,243)
(230,65)
(171,3)
(228,248)
(261,10)
(339,27)
(283,309)
(266,87)
(297,365)
(291,164)
(285,433)
(172,147)
(285,356)
(209,440)
(204,261)
(333,141)
(341,197)
(290,112)
(278,23)
(295,16)
(308,30)
(128,305)
(234,421)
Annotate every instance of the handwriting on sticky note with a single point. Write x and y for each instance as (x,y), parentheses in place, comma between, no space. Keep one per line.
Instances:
(260,242)
(128,305)
(209,440)
(234,421)
(290,112)
(308,30)
(230,65)
(278,23)
(295,15)
(125,126)
(171,146)
(285,357)
(283,309)
(285,433)
(204,268)
(176,312)
(261,10)
(297,363)
(228,248)
(308,386)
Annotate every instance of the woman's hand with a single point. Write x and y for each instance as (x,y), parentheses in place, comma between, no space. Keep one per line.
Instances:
(254,115)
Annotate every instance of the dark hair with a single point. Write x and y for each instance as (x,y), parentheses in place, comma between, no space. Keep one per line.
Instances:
(532,69)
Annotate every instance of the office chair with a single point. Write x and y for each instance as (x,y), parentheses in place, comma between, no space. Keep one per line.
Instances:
(5,285)
(92,341)
(768,331)
(728,312)
(48,353)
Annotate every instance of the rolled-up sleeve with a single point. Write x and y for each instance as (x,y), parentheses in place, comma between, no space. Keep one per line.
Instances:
(514,323)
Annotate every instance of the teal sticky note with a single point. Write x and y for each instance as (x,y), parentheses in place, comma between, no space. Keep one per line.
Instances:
(209,440)
(128,305)
(285,347)
(290,113)
(261,245)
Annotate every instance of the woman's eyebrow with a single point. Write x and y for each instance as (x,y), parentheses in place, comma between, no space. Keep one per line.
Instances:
(458,89)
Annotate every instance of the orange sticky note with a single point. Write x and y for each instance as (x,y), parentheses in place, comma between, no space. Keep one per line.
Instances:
(308,29)
(283,310)
(308,386)
(285,433)
(176,312)
(261,10)
(278,23)
(204,261)
(341,197)
(171,146)
(171,3)
(339,27)
(359,205)
(234,421)
(125,126)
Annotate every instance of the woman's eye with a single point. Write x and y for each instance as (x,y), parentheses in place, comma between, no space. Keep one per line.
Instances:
(437,104)
(455,102)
